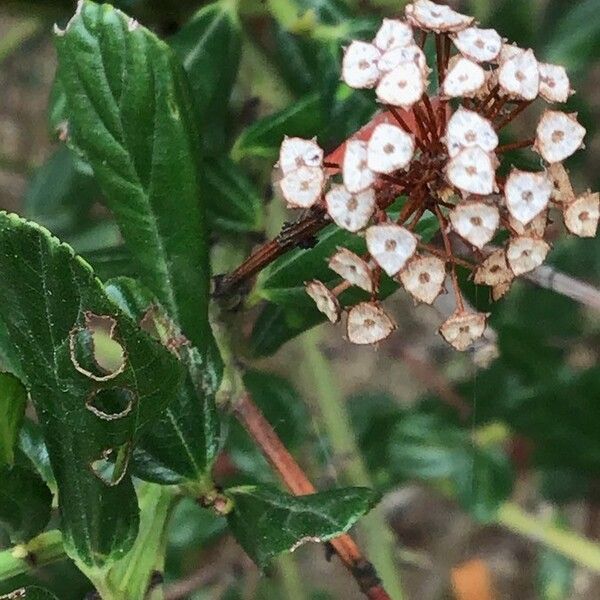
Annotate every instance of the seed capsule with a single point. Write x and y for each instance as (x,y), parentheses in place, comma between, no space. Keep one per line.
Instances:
(466,129)
(368,324)
(325,300)
(472,171)
(554,83)
(352,268)
(463,328)
(350,211)
(410,54)
(464,78)
(582,215)
(436,17)
(359,67)
(302,187)
(475,222)
(391,246)
(403,86)
(389,149)
(527,194)
(297,152)
(559,135)
(480,45)
(393,34)
(423,277)
(526,253)
(355,170)
(494,270)
(519,76)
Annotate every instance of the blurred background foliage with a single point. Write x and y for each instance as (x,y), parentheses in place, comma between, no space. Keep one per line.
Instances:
(459,444)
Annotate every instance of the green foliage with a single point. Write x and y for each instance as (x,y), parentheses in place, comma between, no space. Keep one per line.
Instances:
(13,400)
(46,309)
(33,592)
(267,522)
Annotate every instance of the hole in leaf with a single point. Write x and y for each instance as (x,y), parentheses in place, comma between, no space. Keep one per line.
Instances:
(159,326)
(111,467)
(111,403)
(94,350)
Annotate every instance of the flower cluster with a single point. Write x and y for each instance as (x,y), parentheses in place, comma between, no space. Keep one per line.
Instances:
(443,154)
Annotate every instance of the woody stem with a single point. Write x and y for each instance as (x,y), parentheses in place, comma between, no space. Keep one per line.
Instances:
(448,247)
(292,475)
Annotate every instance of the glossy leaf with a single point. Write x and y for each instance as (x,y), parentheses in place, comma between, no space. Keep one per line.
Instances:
(209,46)
(13,400)
(130,114)
(263,138)
(47,305)
(25,501)
(267,522)
(183,442)
(233,202)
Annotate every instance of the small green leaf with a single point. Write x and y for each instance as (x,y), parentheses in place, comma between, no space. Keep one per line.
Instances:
(13,400)
(233,202)
(25,501)
(267,522)
(31,443)
(209,48)
(130,115)
(183,442)
(263,138)
(91,416)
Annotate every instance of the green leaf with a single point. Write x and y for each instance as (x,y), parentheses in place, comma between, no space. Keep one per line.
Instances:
(555,576)
(183,442)
(31,592)
(25,501)
(91,412)
(13,400)
(31,443)
(233,202)
(267,522)
(209,48)
(303,118)
(425,447)
(61,192)
(131,116)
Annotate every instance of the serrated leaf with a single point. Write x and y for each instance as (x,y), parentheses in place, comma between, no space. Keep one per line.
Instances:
(267,522)
(25,501)
(46,301)
(13,400)
(209,47)
(31,592)
(303,118)
(183,442)
(234,203)
(130,115)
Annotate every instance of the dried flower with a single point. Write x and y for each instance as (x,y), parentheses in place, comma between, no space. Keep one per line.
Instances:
(443,155)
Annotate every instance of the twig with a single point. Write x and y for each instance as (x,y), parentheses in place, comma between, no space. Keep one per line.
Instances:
(292,475)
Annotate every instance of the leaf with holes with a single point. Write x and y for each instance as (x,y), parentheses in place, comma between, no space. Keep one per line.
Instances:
(267,522)
(97,382)
(183,442)
(131,116)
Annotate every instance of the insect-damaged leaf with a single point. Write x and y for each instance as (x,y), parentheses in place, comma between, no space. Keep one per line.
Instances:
(182,444)
(30,592)
(267,522)
(130,115)
(90,417)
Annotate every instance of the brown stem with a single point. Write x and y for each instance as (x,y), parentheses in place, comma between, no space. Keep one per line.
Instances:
(517,111)
(433,126)
(448,247)
(292,475)
(515,146)
(492,95)
(420,143)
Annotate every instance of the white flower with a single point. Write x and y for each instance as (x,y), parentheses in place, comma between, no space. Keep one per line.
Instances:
(368,324)
(297,152)
(519,76)
(463,328)
(475,222)
(403,86)
(494,270)
(526,253)
(554,83)
(436,17)
(423,277)
(390,148)
(480,45)
(559,135)
(396,56)
(527,194)
(464,78)
(325,300)
(302,187)
(393,34)
(391,246)
(467,128)
(472,171)
(350,211)
(355,170)
(582,215)
(359,67)
(352,268)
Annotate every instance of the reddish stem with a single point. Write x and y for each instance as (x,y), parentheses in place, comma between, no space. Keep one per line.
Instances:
(420,143)
(292,475)
(515,146)
(517,111)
